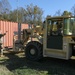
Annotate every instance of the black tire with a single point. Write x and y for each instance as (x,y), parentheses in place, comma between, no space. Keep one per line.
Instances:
(38,51)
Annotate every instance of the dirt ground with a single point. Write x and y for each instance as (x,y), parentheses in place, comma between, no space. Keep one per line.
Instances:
(51,66)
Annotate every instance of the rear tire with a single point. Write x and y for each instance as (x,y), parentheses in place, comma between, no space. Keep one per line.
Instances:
(34,51)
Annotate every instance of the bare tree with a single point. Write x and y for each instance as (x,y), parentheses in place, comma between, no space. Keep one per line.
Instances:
(58,13)
(1,7)
(73,10)
(5,6)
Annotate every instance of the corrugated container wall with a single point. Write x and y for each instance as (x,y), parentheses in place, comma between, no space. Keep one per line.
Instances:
(9,28)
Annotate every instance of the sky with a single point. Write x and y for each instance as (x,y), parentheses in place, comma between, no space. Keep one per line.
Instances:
(48,6)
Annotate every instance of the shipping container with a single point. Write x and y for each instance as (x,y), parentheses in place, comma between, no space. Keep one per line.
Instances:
(9,28)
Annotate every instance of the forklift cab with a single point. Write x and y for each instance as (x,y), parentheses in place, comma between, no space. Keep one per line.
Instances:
(55,33)
(59,31)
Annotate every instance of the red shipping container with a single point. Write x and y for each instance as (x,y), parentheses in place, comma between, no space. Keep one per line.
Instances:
(9,28)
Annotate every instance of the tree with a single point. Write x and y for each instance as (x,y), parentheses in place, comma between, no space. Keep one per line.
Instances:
(30,14)
(66,13)
(13,15)
(17,14)
(33,14)
(58,13)
(4,9)
(5,6)
(73,10)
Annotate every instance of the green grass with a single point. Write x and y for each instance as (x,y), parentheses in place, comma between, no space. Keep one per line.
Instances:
(5,71)
(17,64)
(29,72)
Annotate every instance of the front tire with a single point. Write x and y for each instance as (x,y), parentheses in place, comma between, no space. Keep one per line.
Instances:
(34,51)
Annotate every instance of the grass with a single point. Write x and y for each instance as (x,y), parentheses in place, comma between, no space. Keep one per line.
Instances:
(17,64)
(5,71)
(29,72)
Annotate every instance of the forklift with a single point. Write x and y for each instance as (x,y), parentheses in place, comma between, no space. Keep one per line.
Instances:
(58,39)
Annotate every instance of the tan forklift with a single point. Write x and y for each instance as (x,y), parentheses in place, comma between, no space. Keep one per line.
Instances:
(57,40)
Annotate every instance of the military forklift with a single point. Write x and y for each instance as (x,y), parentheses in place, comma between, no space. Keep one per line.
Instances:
(58,39)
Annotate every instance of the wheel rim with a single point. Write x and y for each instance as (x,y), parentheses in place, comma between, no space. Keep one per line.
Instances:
(32,52)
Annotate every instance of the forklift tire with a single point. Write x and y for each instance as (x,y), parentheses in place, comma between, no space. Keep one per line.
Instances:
(34,51)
